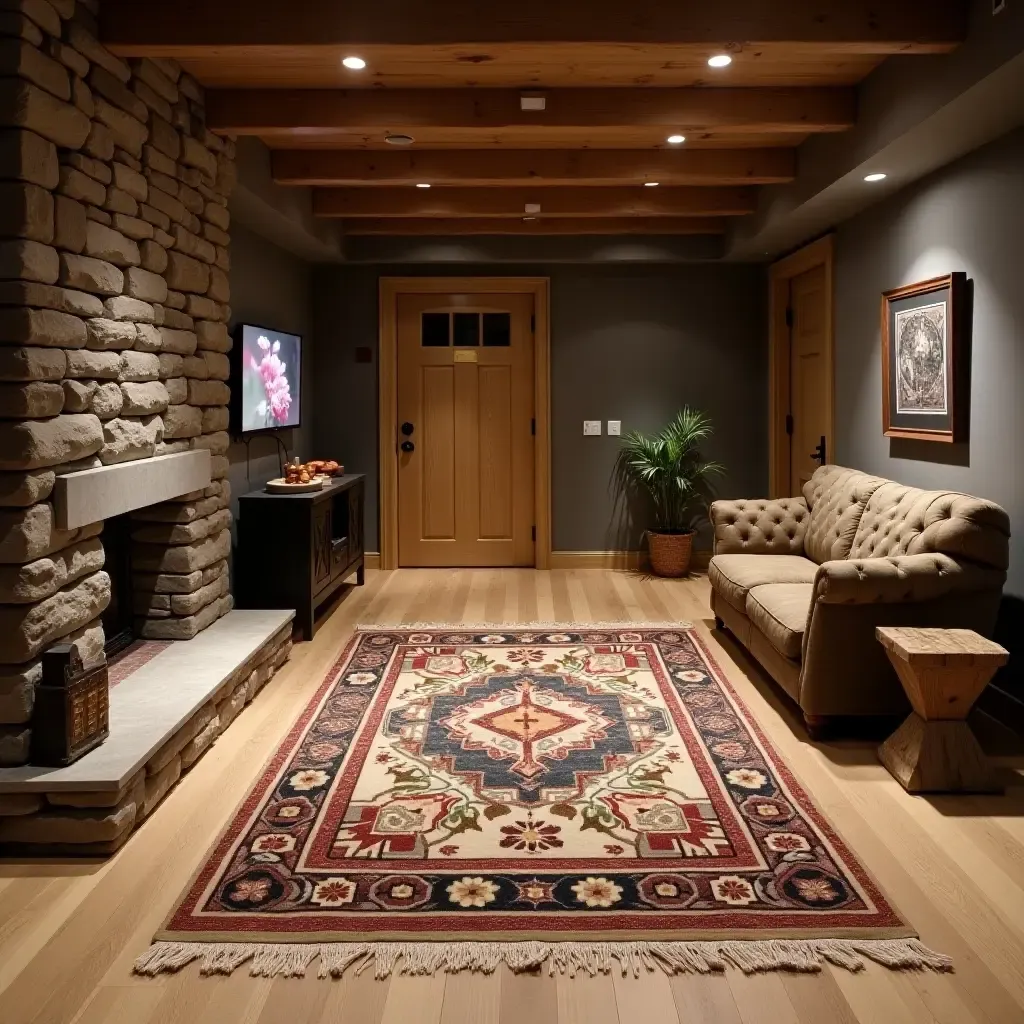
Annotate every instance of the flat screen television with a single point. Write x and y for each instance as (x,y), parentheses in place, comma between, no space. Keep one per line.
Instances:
(266,391)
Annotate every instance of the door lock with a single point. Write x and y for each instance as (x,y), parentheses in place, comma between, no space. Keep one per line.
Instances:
(407,446)
(407,429)
(819,454)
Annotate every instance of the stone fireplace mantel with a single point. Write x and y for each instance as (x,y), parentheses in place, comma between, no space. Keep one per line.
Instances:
(92,495)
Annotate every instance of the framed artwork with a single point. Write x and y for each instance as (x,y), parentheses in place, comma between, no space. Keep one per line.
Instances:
(922,357)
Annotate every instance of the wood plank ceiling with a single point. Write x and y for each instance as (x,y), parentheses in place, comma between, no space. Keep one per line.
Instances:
(615,81)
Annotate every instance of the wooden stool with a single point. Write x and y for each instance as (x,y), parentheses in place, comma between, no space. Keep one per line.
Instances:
(943,672)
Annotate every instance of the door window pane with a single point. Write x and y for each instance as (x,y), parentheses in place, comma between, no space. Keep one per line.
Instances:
(497,330)
(466,329)
(434,330)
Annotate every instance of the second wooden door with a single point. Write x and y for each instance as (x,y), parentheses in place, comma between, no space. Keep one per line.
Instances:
(809,382)
(465,430)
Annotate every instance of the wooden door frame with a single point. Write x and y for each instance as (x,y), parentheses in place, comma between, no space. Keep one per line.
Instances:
(387,381)
(820,253)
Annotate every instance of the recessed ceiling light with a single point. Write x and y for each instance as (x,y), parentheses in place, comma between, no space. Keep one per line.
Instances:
(354,63)
(399,140)
(422,184)
(651,184)
(675,140)
(720,60)
(877,176)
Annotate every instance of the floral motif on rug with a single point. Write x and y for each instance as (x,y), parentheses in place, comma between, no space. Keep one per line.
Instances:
(521,784)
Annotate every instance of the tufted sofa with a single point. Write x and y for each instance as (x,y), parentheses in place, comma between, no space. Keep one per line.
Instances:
(803,582)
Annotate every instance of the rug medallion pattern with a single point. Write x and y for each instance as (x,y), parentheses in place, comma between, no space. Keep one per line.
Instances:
(599,782)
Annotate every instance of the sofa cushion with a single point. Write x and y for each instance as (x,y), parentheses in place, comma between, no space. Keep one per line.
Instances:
(836,498)
(900,520)
(733,576)
(779,611)
(770,526)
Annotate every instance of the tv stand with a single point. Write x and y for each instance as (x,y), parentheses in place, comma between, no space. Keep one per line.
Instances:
(296,550)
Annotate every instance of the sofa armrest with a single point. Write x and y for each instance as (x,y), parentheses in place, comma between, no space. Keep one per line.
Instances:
(770,526)
(900,579)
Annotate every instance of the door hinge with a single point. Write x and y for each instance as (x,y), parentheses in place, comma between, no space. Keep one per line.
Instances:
(789,316)
(533,533)
(789,424)
(533,427)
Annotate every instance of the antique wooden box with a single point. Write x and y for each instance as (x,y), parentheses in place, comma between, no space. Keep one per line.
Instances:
(72,709)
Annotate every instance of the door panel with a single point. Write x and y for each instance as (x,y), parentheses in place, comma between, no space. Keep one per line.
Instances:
(809,382)
(466,384)
(495,452)
(437,438)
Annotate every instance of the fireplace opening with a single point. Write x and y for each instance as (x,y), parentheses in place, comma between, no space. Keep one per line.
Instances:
(118,619)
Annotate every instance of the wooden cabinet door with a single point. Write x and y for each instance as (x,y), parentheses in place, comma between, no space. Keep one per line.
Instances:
(809,381)
(322,538)
(465,430)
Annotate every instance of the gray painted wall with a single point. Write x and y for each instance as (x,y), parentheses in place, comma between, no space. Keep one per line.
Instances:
(633,343)
(270,286)
(969,217)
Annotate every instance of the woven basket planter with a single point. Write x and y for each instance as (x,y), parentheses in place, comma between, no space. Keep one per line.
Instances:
(670,553)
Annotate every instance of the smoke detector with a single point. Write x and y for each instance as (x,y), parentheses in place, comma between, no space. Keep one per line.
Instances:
(399,140)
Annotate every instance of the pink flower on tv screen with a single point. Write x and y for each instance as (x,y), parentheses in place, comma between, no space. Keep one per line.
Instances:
(270,379)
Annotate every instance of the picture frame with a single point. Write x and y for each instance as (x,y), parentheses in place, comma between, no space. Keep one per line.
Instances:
(923,357)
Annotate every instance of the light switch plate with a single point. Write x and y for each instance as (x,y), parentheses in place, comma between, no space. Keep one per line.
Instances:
(591,428)
(614,428)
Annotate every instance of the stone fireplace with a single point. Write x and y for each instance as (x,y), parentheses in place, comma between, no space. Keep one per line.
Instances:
(114,260)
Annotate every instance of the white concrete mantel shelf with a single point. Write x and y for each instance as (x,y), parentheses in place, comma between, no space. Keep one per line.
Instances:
(154,702)
(91,495)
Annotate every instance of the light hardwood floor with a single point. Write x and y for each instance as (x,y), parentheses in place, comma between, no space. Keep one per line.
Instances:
(955,866)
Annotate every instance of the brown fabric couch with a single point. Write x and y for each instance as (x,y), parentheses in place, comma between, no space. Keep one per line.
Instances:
(803,582)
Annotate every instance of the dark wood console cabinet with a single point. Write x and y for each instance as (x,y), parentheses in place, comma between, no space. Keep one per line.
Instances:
(296,550)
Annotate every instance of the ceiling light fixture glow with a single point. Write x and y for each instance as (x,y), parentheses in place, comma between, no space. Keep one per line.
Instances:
(422,184)
(651,184)
(876,176)
(720,60)
(354,63)
(675,140)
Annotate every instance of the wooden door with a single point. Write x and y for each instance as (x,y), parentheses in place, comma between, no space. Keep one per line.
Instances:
(465,430)
(809,383)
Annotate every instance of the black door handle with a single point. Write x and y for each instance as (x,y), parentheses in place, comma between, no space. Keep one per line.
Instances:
(407,446)
(407,429)
(819,453)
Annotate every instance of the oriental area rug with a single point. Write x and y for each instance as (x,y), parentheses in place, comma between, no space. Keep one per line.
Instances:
(459,797)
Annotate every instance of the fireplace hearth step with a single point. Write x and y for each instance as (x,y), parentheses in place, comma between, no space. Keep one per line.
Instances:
(163,718)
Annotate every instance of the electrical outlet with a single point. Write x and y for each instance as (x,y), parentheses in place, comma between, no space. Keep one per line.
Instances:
(614,428)
(591,428)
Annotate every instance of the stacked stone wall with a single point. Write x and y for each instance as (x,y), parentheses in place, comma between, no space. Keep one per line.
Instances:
(114,261)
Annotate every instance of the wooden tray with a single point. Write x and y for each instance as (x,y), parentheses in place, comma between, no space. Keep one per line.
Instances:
(281,486)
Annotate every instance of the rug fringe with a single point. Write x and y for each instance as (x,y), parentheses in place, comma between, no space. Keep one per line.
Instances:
(562,626)
(290,960)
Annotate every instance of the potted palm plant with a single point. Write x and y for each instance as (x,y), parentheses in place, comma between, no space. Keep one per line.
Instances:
(669,467)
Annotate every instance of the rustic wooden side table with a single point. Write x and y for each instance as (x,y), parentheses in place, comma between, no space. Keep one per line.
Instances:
(943,672)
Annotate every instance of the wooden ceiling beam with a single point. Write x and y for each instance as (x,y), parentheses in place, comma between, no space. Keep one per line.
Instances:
(299,111)
(514,203)
(176,28)
(337,168)
(541,226)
